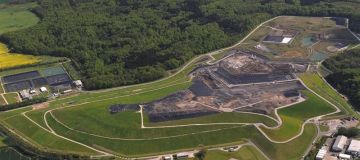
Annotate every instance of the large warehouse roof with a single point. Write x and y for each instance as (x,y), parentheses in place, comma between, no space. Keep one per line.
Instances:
(339,143)
(354,146)
(321,154)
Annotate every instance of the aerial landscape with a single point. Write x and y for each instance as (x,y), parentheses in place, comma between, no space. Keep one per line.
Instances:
(179,79)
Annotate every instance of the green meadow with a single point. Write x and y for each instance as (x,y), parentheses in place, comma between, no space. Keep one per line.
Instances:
(293,117)
(15,17)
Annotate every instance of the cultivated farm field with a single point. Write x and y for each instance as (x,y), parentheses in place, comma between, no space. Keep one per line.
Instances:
(8,60)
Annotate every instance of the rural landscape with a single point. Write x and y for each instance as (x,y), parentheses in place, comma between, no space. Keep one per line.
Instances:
(167,80)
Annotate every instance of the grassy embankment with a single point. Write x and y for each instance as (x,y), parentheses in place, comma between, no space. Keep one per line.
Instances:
(230,135)
(232,117)
(318,85)
(77,121)
(293,117)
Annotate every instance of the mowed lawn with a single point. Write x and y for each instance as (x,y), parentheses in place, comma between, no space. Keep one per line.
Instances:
(95,118)
(15,17)
(244,153)
(41,138)
(232,117)
(293,150)
(294,116)
(11,98)
(318,85)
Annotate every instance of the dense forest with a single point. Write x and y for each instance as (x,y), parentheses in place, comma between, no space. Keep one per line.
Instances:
(346,75)
(120,42)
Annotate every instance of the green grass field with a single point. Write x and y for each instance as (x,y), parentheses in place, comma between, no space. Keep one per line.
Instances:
(318,85)
(293,150)
(244,153)
(43,139)
(14,17)
(293,117)
(11,98)
(232,117)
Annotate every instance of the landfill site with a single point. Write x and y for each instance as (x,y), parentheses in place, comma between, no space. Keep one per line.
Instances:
(241,82)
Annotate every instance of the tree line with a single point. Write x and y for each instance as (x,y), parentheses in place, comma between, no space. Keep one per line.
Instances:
(346,74)
(121,42)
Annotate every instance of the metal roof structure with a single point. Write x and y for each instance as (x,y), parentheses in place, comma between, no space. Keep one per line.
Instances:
(321,154)
(339,143)
(354,146)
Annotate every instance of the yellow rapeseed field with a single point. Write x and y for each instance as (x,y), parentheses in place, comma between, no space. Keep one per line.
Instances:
(8,60)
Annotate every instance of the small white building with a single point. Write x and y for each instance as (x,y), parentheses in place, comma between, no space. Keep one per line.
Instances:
(43,89)
(167,158)
(78,83)
(32,91)
(344,156)
(25,95)
(354,146)
(286,40)
(182,155)
(321,154)
(339,143)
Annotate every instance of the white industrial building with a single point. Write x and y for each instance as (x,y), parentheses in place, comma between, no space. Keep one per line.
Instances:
(25,95)
(321,154)
(339,143)
(354,146)
(344,156)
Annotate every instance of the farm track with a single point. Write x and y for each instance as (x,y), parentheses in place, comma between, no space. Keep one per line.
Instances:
(103,153)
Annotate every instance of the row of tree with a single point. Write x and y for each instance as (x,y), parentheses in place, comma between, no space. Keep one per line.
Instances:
(120,42)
